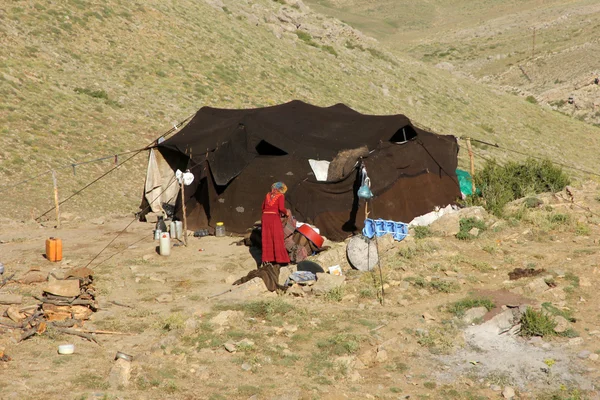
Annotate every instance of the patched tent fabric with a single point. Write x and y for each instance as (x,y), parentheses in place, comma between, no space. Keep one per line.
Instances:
(237,154)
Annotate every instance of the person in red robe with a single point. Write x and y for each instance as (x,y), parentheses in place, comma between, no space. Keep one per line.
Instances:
(273,245)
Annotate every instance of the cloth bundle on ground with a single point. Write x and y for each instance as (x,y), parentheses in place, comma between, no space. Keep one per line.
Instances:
(269,273)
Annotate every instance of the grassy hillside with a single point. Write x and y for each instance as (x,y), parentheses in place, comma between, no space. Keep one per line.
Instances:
(493,42)
(80,80)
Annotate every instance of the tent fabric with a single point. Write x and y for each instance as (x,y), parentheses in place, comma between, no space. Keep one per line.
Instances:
(159,188)
(237,154)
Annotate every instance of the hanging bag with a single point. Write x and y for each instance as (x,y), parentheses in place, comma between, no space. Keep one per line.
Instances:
(364,192)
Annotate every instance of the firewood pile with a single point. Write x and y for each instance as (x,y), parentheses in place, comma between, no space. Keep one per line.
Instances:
(64,306)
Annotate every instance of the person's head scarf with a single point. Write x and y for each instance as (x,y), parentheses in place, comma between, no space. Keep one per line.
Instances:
(277,189)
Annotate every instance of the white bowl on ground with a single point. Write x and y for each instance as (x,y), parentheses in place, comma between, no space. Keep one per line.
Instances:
(66,349)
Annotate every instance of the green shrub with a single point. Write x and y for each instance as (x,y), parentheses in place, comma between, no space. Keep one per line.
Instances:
(537,323)
(460,307)
(531,99)
(97,94)
(330,50)
(335,294)
(501,184)
(306,38)
(466,224)
(550,308)
(582,229)
(421,232)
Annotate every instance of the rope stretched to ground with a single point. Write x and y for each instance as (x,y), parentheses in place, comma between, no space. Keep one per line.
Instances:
(497,146)
(89,184)
(173,180)
(127,226)
(107,157)
(136,152)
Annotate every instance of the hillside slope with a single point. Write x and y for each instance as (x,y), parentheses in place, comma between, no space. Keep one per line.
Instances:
(548,50)
(81,80)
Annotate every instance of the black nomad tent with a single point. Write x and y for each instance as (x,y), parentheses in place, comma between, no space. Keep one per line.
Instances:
(235,156)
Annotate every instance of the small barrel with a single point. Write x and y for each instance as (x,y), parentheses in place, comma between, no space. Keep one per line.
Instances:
(220,230)
(54,249)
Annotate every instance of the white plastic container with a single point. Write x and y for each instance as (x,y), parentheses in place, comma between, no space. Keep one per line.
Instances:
(173,230)
(66,349)
(165,244)
(179,229)
(220,230)
(176,230)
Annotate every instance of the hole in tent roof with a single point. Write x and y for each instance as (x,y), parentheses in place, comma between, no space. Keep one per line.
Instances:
(264,148)
(403,135)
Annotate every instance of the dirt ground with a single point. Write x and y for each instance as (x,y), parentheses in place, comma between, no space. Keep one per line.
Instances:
(343,345)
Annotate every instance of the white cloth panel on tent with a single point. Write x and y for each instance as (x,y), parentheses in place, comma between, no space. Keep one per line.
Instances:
(320,168)
(158,177)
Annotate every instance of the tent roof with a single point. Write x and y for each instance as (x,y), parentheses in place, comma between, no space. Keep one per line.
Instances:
(295,128)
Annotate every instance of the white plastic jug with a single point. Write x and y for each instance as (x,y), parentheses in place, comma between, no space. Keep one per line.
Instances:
(173,230)
(179,229)
(165,244)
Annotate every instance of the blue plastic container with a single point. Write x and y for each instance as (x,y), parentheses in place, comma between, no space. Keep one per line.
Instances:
(380,227)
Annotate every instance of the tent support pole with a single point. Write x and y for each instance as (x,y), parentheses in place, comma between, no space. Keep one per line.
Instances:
(472,165)
(56,206)
(184,214)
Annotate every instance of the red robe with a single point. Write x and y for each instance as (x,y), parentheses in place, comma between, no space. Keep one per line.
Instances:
(273,245)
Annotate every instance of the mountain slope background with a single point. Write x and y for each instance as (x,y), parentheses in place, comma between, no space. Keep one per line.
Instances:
(80,80)
(544,49)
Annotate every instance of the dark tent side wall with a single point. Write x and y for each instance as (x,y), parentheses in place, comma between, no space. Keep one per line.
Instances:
(408,180)
(236,155)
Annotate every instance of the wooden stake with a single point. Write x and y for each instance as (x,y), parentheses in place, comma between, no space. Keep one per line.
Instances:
(55,183)
(472,165)
(533,45)
(184,214)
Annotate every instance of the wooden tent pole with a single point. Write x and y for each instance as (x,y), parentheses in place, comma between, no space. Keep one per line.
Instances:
(472,165)
(56,205)
(184,213)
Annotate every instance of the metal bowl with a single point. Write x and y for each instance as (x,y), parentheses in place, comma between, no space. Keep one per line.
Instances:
(123,356)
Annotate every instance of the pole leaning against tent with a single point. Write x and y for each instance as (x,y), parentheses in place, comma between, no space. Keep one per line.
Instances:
(184,213)
(472,165)
(56,204)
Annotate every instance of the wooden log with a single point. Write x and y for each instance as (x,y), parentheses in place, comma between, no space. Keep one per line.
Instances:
(106,332)
(68,323)
(11,325)
(75,302)
(28,333)
(8,299)
(116,303)
(76,333)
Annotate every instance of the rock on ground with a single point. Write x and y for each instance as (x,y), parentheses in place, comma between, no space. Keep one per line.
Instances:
(473,314)
(508,392)
(120,374)
(561,324)
(449,224)
(327,282)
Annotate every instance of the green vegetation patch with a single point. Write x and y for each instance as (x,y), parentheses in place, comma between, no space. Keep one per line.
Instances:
(537,323)
(459,308)
(466,225)
(501,184)
(421,232)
